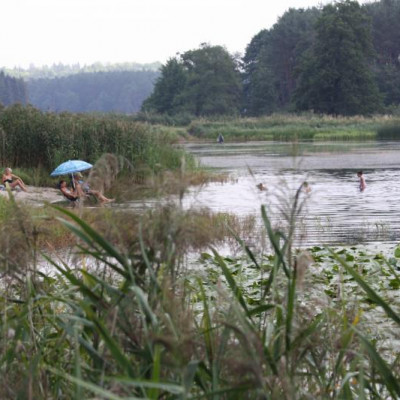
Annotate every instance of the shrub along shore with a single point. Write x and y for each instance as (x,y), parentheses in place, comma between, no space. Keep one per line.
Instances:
(280,127)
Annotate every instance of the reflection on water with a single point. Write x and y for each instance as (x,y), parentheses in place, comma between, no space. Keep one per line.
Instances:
(336,211)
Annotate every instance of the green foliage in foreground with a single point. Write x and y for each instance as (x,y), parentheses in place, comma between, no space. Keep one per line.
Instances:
(132,325)
(34,139)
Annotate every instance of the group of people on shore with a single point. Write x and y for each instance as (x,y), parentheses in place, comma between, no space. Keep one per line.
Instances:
(79,189)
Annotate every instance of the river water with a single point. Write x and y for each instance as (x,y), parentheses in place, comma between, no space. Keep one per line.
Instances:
(336,212)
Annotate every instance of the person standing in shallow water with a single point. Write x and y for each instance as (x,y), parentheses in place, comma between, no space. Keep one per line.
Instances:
(362,181)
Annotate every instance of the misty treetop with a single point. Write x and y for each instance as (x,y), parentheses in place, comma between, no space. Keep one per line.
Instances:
(61,70)
(111,91)
(94,88)
(12,90)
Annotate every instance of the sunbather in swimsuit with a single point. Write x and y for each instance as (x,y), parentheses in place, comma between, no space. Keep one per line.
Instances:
(12,180)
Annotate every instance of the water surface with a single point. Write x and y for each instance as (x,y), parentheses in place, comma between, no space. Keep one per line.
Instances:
(336,211)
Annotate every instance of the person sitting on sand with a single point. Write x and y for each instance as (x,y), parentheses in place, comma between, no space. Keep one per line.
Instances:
(82,189)
(71,195)
(12,180)
(363,185)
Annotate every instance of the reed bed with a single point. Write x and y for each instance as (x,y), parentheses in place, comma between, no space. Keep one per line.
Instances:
(37,141)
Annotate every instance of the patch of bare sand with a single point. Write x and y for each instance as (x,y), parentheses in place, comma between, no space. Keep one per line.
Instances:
(36,196)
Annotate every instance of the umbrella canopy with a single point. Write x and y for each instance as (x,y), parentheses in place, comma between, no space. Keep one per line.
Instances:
(70,167)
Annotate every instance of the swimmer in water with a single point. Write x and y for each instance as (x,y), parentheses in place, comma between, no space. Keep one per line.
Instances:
(306,188)
(362,181)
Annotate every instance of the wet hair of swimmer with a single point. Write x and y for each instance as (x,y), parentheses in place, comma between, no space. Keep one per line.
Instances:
(359,173)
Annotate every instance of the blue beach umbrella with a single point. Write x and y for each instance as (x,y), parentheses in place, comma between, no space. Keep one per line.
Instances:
(70,167)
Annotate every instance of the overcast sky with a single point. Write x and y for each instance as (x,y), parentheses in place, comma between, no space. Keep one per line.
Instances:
(85,31)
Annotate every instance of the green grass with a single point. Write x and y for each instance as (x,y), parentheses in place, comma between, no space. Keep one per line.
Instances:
(295,127)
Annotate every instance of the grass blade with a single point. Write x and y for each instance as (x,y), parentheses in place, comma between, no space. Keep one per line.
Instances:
(367,289)
(392,383)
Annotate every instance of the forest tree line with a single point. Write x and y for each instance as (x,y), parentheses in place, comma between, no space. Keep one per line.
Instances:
(12,90)
(342,59)
(117,88)
(112,91)
(61,70)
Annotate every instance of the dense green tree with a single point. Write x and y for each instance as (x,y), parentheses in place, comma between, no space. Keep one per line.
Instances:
(205,81)
(385,17)
(388,80)
(271,60)
(335,77)
(259,94)
(168,88)
(291,36)
(213,82)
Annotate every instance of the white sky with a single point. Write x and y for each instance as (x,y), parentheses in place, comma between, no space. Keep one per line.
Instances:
(85,31)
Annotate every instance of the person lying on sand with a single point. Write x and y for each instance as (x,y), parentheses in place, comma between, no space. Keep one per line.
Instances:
(12,180)
(83,190)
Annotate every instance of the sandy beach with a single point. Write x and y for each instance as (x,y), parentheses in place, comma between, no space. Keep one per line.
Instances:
(36,196)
